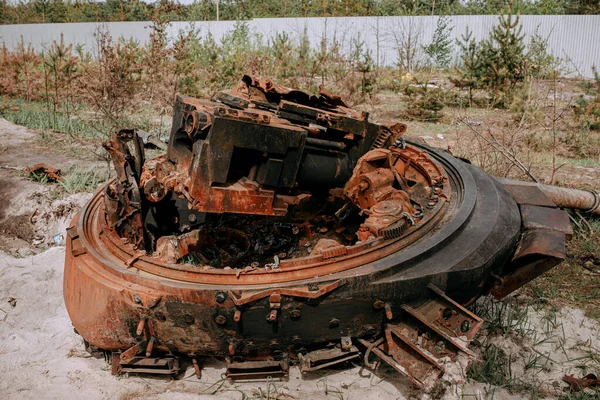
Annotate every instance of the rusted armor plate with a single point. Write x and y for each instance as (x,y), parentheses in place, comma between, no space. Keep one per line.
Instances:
(527,194)
(535,217)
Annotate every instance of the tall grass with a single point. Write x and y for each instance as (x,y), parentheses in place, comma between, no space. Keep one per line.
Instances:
(81,180)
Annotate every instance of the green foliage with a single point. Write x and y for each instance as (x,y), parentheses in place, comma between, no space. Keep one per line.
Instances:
(593,394)
(504,317)
(424,103)
(283,51)
(114,80)
(497,64)
(541,64)
(587,108)
(80,180)
(361,61)
(32,116)
(439,50)
(40,178)
(125,77)
(472,68)
(52,11)
(503,53)
(493,367)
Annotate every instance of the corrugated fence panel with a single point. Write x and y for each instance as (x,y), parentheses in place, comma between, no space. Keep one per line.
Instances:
(573,38)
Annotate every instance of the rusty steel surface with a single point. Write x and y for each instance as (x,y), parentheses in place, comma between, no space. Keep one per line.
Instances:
(286,228)
(584,200)
(45,171)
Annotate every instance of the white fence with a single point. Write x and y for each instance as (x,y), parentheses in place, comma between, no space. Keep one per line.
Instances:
(573,38)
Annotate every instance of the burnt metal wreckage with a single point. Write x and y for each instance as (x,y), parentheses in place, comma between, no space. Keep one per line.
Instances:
(284,228)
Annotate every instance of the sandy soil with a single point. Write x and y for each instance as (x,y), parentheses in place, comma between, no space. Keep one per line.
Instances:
(29,215)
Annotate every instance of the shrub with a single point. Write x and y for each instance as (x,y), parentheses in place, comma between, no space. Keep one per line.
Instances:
(439,50)
(541,64)
(498,63)
(425,103)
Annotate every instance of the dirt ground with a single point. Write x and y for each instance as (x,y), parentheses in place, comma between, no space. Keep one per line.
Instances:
(42,357)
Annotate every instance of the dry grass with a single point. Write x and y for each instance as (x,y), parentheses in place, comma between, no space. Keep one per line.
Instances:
(575,282)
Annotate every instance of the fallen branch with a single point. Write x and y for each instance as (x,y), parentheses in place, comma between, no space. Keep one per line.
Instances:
(506,153)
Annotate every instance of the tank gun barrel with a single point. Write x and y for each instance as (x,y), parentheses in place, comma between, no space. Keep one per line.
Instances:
(577,199)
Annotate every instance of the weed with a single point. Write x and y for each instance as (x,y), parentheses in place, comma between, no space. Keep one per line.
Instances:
(581,395)
(271,392)
(495,368)
(79,180)
(40,178)
(533,362)
(189,259)
(503,317)
(33,116)
(541,63)
(569,282)
(425,103)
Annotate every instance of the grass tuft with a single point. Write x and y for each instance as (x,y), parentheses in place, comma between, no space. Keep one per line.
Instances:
(80,180)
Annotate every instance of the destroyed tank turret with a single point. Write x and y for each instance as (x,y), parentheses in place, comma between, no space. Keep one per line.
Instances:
(283,228)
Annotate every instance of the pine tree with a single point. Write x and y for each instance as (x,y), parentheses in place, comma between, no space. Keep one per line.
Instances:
(504,53)
(439,50)
(472,67)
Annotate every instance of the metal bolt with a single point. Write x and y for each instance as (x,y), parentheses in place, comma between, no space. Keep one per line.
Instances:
(192,218)
(220,319)
(465,326)
(220,297)
(140,327)
(440,346)
(272,316)
(150,346)
(379,304)
(346,343)
(369,330)
(388,312)
(188,319)
(447,313)
(295,314)
(334,323)
(296,340)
